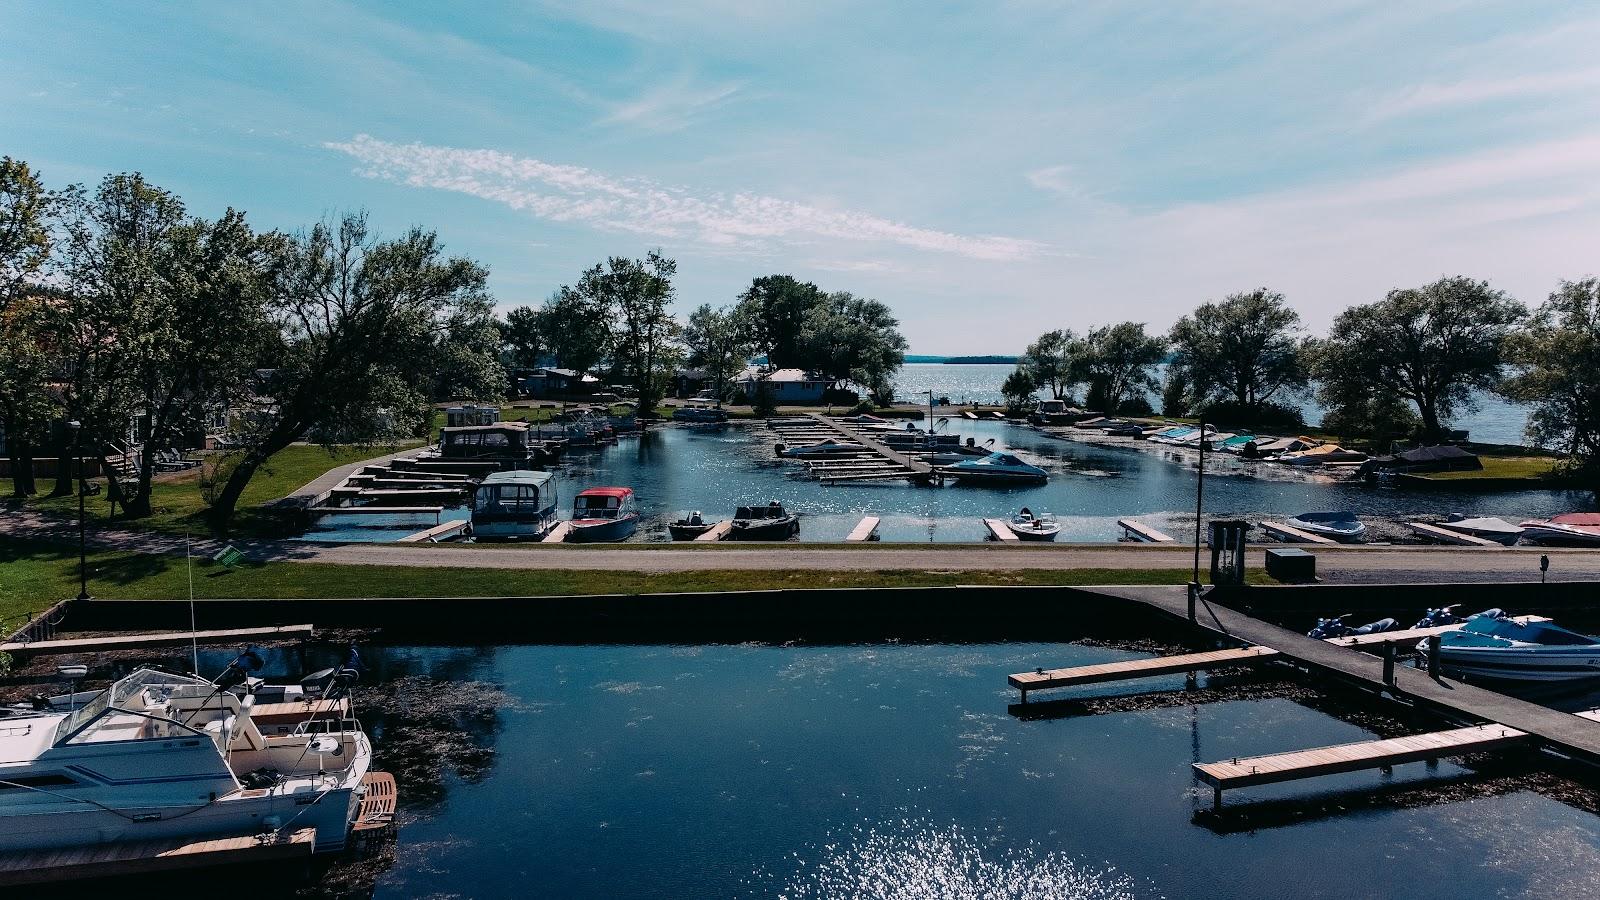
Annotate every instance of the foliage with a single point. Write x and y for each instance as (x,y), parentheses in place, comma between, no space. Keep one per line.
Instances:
(1558,355)
(881,392)
(635,296)
(1263,416)
(853,338)
(1175,393)
(522,338)
(1118,363)
(467,362)
(774,309)
(1018,390)
(1434,346)
(577,329)
(862,408)
(718,343)
(27,320)
(764,402)
(359,323)
(1243,349)
(1052,362)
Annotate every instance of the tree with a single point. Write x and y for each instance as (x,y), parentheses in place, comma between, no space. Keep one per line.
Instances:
(1243,351)
(467,355)
(577,329)
(1558,356)
(634,296)
(1118,363)
(1018,390)
(717,342)
(1051,362)
(850,338)
(776,308)
(26,213)
(1434,346)
(358,322)
(522,336)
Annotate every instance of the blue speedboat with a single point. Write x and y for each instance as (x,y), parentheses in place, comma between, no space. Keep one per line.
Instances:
(1492,646)
(997,467)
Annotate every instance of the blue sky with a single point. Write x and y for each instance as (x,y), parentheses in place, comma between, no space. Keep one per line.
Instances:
(990,171)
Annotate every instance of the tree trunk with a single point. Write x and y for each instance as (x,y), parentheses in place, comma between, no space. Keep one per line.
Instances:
(21,456)
(136,504)
(222,508)
(66,468)
(1431,432)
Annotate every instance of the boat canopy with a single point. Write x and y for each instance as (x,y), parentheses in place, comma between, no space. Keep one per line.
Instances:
(1443,458)
(511,492)
(773,510)
(1490,631)
(602,502)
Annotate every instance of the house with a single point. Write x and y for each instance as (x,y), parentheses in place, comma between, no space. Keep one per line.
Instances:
(546,382)
(789,387)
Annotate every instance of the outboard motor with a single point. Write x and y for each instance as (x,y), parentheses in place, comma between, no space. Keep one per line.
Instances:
(238,671)
(316,683)
(1434,618)
(345,676)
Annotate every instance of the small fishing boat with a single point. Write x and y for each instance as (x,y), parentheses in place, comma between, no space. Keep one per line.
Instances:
(1492,646)
(1486,527)
(1124,429)
(764,523)
(700,415)
(514,505)
(603,515)
(690,527)
(1341,526)
(1568,529)
(1234,444)
(1031,526)
(827,447)
(996,467)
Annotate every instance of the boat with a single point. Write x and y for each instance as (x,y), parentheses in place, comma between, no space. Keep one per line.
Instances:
(996,467)
(867,420)
(511,445)
(1234,444)
(1124,429)
(1263,447)
(1486,527)
(1493,646)
(1341,526)
(826,447)
(1172,435)
(1057,412)
(1571,529)
(700,415)
(518,504)
(690,527)
(159,756)
(764,523)
(603,515)
(1323,454)
(1030,526)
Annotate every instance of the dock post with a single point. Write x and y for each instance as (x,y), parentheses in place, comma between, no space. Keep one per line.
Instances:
(1216,798)
(1433,658)
(1388,663)
(1194,592)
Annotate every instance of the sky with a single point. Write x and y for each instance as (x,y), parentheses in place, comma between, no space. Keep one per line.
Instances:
(990,171)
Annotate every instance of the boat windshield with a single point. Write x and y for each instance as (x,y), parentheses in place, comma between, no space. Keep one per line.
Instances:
(597,507)
(119,695)
(507,498)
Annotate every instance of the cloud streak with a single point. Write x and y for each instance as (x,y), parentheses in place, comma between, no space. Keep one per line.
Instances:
(576,195)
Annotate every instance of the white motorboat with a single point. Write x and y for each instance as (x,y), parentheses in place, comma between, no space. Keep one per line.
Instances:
(159,756)
(1486,527)
(1341,526)
(1031,526)
(1568,529)
(1495,647)
(826,447)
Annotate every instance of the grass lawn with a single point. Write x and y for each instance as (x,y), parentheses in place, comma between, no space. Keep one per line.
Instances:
(34,575)
(1498,467)
(176,504)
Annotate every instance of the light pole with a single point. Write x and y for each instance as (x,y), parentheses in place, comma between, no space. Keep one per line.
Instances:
(83,542)
(1199,505)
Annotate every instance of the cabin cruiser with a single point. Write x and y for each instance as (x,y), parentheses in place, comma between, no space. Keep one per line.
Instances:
(603,515)
(514,505)
(827,447)
(690,527)
(1570,529)
(764,523)
(997,467)
(1486,527)
(1057,412)
(1031,526)
(513,445)
(1494,646)
(160,756)
(1341,526)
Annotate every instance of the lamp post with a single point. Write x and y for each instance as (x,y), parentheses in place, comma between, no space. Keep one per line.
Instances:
(1199,505)
(83,542)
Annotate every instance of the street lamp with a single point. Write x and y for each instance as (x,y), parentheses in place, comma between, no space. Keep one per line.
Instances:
(1199,506)
(83,542)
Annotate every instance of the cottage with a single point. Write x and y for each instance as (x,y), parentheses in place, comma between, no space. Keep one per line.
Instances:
(790,387)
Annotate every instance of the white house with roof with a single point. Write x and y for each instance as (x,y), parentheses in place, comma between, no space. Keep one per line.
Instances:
(794,387)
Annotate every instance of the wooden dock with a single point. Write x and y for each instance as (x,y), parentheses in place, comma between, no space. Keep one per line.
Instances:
(1290,534)
(1000,530)
(144,857)
(1124,670)
(558,534)
(163,639)
(435,511)
(379,799)
(865,530)
(1138,531)
(1446,536)
(715,533)
(907,466)
(1409,637)
(1299,764)
(436,533)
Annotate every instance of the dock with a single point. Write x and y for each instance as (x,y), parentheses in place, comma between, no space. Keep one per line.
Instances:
(143,857)
(903,466)
(1290,534)
(558,534)
(1000,530)
(1446,536)
(1409,637)
(1138,531)
(435,511)
(715,533)
(161,639)
(1299,764)
(437,533)
(1123,670)
(865,530)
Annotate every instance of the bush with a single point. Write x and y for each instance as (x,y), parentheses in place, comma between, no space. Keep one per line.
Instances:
(763,403)
(837,396)
(862,408)
(1137,406)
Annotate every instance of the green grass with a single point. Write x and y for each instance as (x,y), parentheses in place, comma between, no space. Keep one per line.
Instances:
(34,575)
(1527,468)
(176,504)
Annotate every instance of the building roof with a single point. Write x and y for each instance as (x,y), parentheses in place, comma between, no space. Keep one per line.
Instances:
(777,375)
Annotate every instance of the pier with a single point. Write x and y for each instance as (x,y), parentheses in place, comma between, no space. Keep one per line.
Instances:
(162,639)
(865,530)
(1446,536)
(1290,534)
(715,533)
(440,532)
(1041,679)
(1000,531)
(892,463)
(1138,531)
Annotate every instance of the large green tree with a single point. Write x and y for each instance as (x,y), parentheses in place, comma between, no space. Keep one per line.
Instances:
(1243,351)
(717,341)
(777,308)
(27,212)
(522,338)
(577,329)
(850,338)
(1053,362)
(1434,346)
(1118,364)
(357,327)
(636,295)
(1557,356)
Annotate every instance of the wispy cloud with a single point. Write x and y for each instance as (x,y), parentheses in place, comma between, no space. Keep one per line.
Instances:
(671,105)
(574,194)
(1428,97)
(1057,179)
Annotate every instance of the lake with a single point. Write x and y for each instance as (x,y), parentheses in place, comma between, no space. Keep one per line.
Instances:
(896,771)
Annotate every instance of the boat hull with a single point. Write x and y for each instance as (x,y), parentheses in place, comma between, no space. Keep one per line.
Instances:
(602,531)
(1030,534)
(776,530)
(997,477)
(1522,664)
(1549,533)
(689,532)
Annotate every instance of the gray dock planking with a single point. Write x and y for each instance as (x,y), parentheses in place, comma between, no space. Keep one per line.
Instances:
(863,438)
(715,533)
(1001,531)
(1286,532)
(1126,669)
(865,530)
(437,532)
(1446,536)
(162,639)
(1143,533)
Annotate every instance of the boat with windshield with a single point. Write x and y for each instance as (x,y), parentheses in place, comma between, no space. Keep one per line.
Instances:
(603,514)
(996,467)
(1494,646)
(509,505)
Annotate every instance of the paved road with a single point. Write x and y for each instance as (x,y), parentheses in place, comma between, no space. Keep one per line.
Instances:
(1356,564)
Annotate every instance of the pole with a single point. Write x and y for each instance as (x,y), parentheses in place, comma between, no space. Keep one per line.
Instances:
(1199,504)
(83,540)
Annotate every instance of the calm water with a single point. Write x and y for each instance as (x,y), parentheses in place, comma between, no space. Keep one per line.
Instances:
(676,469)
(1494,421)
(887,771)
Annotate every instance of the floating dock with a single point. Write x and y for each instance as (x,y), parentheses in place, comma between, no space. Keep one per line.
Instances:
(904,466)
(558,534)
(1138,531)
(865,530)
(1000,530)
(435,511)
(1290,534)
(715,533)
(163,639)
(1124,670)
(440,532)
